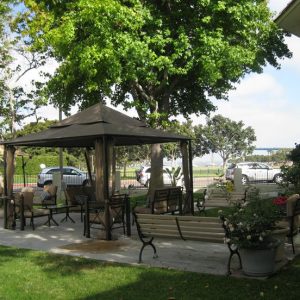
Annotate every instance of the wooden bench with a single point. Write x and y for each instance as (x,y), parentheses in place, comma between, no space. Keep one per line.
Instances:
(204,229)
(219,198)
(167,200)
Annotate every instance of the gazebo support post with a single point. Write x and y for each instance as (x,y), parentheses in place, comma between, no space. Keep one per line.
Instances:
(186,173)
(5,187)
(113,171)
(10,156)
(99,171)
(5,171)
(9,221)
(191,176)
(105,146)
(88,165)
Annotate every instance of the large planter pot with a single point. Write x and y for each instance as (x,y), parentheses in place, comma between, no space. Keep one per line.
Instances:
(258,262)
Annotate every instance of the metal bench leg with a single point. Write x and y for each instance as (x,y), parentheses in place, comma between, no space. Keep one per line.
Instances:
(229,262)
(232,252)
(147,243)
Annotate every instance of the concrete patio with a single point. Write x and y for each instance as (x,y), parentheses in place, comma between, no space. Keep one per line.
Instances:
(67,238)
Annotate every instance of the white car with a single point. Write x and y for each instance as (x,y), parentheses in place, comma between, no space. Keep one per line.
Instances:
(255,171)
(144,173)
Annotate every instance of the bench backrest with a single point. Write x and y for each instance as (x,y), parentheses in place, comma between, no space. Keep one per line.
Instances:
(207,229)
(167,200)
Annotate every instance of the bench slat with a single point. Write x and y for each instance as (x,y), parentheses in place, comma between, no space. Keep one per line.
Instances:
(199,229)
(199,219)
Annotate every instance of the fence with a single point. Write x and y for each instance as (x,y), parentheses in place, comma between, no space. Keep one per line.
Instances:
(202,178)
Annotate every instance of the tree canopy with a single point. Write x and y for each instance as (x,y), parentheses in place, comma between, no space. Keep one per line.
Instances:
(16,101)
(162,57)
(226,137)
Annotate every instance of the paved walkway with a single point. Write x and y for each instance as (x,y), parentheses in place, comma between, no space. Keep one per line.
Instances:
(67,238)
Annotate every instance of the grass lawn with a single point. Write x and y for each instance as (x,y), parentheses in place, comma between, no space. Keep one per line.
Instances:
(28,274)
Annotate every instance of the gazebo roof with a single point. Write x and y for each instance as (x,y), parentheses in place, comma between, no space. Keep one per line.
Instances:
(289,19)
(83,128)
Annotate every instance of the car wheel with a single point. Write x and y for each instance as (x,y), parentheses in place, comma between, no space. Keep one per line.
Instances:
(244,179)
(277,178)
(49,182)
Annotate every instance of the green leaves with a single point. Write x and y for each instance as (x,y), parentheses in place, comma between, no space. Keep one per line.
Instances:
(171,57)
(226,137)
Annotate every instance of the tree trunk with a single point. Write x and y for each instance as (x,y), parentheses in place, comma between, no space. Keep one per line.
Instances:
(224,166)
(156,179)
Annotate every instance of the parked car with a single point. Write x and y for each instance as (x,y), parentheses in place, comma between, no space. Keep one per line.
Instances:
(255,171)
(71,176)
(144,173)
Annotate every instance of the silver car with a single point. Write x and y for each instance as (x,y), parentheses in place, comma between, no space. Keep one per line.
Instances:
(71,176)
(254,172)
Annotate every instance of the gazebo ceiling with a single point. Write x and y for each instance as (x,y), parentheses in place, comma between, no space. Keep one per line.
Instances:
(83,128)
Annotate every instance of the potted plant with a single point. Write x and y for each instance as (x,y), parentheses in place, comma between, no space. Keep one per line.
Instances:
(250,227)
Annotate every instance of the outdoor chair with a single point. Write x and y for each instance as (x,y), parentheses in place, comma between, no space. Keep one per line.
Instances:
(51,191)
(24,209)
(95,217)
(77,196)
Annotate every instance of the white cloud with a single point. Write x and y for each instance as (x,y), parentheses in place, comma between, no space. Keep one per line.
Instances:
(294,46)
(260,101)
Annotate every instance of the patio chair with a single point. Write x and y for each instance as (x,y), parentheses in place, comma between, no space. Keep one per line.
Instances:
(95,217)
(77,196)
(24,209)
(51,191)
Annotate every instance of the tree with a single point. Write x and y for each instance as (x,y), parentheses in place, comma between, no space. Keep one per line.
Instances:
(5,57)
(170,56)
(127,154)
(171,150)
(16,103)
(278,157)
(291,174)
(162,57)
(228,138)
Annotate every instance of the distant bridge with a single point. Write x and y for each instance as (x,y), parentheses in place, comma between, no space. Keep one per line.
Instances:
(270,149)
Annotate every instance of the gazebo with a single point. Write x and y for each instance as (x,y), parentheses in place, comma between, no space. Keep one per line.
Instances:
(101,128)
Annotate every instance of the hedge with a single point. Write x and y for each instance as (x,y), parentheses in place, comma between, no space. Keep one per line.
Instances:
(33,164)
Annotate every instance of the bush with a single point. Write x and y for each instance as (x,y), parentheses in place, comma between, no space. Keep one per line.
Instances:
(33,164)
(291,174)
(250,224)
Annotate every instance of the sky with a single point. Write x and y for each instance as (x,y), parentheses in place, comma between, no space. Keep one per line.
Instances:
(268,102)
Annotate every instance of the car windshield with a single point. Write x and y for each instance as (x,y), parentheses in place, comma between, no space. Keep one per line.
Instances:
(51,171)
